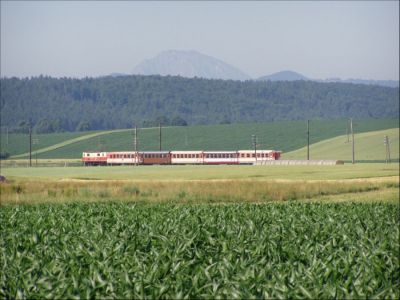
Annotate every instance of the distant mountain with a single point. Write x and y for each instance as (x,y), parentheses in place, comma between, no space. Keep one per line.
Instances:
(387,83)
(118,74)
(283,76)
(292,76)
(189,64)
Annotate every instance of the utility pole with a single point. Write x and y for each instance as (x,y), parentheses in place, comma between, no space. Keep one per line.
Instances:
(135,144)
(352,140)
(347,131)
(254,140)
(308,139)
(30,145)
(387,144)
(160,134)
(35,141)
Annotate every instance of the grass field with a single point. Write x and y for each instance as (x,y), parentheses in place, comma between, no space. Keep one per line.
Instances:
(285,136)
(200,184)
(368,146)
(170,173)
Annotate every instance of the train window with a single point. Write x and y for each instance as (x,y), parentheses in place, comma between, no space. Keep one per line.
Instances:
(248,155)
(253,155)
(98,154)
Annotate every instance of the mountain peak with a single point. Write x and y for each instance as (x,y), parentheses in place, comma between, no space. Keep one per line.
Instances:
(188,63)
(285,75)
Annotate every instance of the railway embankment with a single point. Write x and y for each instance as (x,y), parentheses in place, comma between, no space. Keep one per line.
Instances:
(296,162)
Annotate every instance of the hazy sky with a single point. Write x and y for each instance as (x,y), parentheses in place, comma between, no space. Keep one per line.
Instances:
(318,39)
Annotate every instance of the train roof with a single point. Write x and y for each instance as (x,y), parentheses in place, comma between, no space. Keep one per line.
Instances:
(188,151)
(258,150)
(220,152)
(154,152)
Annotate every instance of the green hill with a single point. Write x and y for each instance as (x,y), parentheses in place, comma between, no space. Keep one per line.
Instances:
(369,146)
(285,136)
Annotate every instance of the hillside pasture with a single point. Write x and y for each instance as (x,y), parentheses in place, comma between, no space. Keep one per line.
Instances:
(285,136)
(369,146)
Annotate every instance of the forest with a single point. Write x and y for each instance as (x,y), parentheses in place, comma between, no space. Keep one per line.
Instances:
(68,104)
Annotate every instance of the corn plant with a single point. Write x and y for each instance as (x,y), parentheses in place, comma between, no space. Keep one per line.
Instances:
(131,250)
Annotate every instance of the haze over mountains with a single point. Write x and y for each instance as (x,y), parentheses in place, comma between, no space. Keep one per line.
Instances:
(194,64)
(189,64)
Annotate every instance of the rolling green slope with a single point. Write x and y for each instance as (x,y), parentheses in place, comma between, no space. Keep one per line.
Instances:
(285,136)
(369,146)
(70,141)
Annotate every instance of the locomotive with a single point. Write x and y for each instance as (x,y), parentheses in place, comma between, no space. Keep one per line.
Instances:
(239,157)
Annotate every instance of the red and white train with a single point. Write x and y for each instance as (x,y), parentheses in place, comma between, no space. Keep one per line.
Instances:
(178,157)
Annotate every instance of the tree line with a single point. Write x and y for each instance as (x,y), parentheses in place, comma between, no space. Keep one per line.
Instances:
(67,104)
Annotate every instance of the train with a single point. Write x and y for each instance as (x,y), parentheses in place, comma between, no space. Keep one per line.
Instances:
(239,157)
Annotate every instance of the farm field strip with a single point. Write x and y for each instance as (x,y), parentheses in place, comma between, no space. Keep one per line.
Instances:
(159,173)
(127,250)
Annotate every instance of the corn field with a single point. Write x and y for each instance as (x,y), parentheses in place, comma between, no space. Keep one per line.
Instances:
(131,250)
